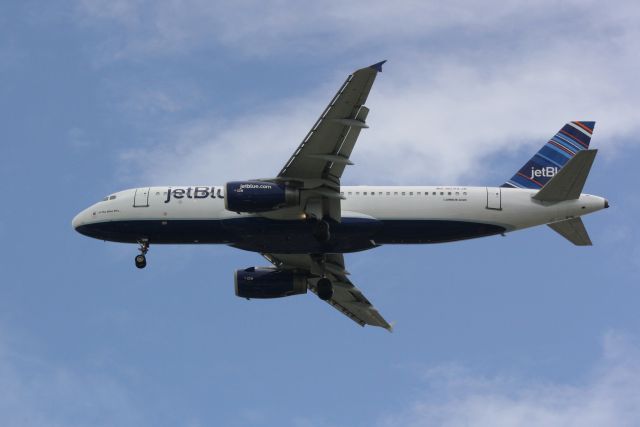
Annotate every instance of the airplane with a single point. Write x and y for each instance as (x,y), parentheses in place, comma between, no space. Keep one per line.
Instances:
(303,221)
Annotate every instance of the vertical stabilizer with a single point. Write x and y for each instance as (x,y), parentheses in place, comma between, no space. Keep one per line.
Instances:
(546,163)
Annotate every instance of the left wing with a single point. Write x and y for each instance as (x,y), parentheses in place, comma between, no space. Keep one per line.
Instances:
(319,161)
(347,298)
(325,150)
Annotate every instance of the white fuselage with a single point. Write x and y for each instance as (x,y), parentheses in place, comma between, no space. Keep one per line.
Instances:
(372,215)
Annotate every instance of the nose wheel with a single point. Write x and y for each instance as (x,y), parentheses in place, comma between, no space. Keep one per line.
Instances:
(141,260)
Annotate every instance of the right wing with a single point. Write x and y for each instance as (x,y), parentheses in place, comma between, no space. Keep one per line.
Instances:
(347,298)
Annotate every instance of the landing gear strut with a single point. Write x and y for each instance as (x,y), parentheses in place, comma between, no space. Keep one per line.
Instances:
(141,260)
(324,289)
(321,231)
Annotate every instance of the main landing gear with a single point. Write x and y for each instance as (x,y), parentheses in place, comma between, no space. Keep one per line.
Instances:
(321,231)
(141,260)
(325,289)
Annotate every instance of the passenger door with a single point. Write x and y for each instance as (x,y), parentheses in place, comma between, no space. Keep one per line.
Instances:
(494,198)
(141,198)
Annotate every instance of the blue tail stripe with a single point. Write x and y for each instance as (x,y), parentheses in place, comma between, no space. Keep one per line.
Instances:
(540,161)
(553,162)
(575,136)
(580,136)
(589,125)
(568,142)
(560,144)
(553,156)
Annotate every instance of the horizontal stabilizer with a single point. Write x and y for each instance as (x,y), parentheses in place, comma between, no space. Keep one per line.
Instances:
(568,183)
(573,230)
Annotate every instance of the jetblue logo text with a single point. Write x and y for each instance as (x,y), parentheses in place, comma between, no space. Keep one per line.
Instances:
(548,172)
(194,193)
(243,187)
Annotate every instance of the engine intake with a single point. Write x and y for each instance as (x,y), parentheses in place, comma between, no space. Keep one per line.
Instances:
(259,196)
(268,282)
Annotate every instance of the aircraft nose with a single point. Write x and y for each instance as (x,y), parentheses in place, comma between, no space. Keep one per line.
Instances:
(79,220)
(606,203)
(75,222)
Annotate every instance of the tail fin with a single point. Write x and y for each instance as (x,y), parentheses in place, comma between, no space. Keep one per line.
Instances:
(572,138)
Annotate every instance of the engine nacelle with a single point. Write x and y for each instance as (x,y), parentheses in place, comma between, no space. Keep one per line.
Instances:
(259,196)
(268,282)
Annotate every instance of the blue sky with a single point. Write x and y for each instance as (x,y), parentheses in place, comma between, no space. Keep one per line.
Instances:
(99,96)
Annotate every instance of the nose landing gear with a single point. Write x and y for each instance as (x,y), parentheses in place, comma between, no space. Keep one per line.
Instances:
(141,260)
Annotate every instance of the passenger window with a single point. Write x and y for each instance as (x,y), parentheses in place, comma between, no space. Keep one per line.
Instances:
(342,193)
(449,193)
(364,193)
(434,193)
(411,193)
(457,193)
(350,193)
(403,193)
(388,193)
(442,193)
(465,193)
(357,193)
(419,193)
(395,193)
(379,193)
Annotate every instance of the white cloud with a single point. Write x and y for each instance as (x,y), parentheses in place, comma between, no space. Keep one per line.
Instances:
(436,129)
(466,80)
(262,27)
(609,397)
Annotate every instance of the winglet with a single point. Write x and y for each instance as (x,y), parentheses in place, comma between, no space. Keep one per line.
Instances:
(378,66)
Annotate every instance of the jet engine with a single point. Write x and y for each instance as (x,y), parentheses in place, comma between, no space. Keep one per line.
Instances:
(266,282)
(259,196)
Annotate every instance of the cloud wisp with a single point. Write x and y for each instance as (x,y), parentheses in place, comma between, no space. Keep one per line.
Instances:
(609,397)
(462,85)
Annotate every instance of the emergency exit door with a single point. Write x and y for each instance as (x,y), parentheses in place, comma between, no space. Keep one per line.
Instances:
(141,198)
(494,198)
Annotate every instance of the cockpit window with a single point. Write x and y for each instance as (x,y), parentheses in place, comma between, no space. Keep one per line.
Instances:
(109,198)
(112,197)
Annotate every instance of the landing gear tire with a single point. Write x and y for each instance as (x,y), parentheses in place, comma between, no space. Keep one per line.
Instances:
(321,231)
(141,261)
(325,289)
